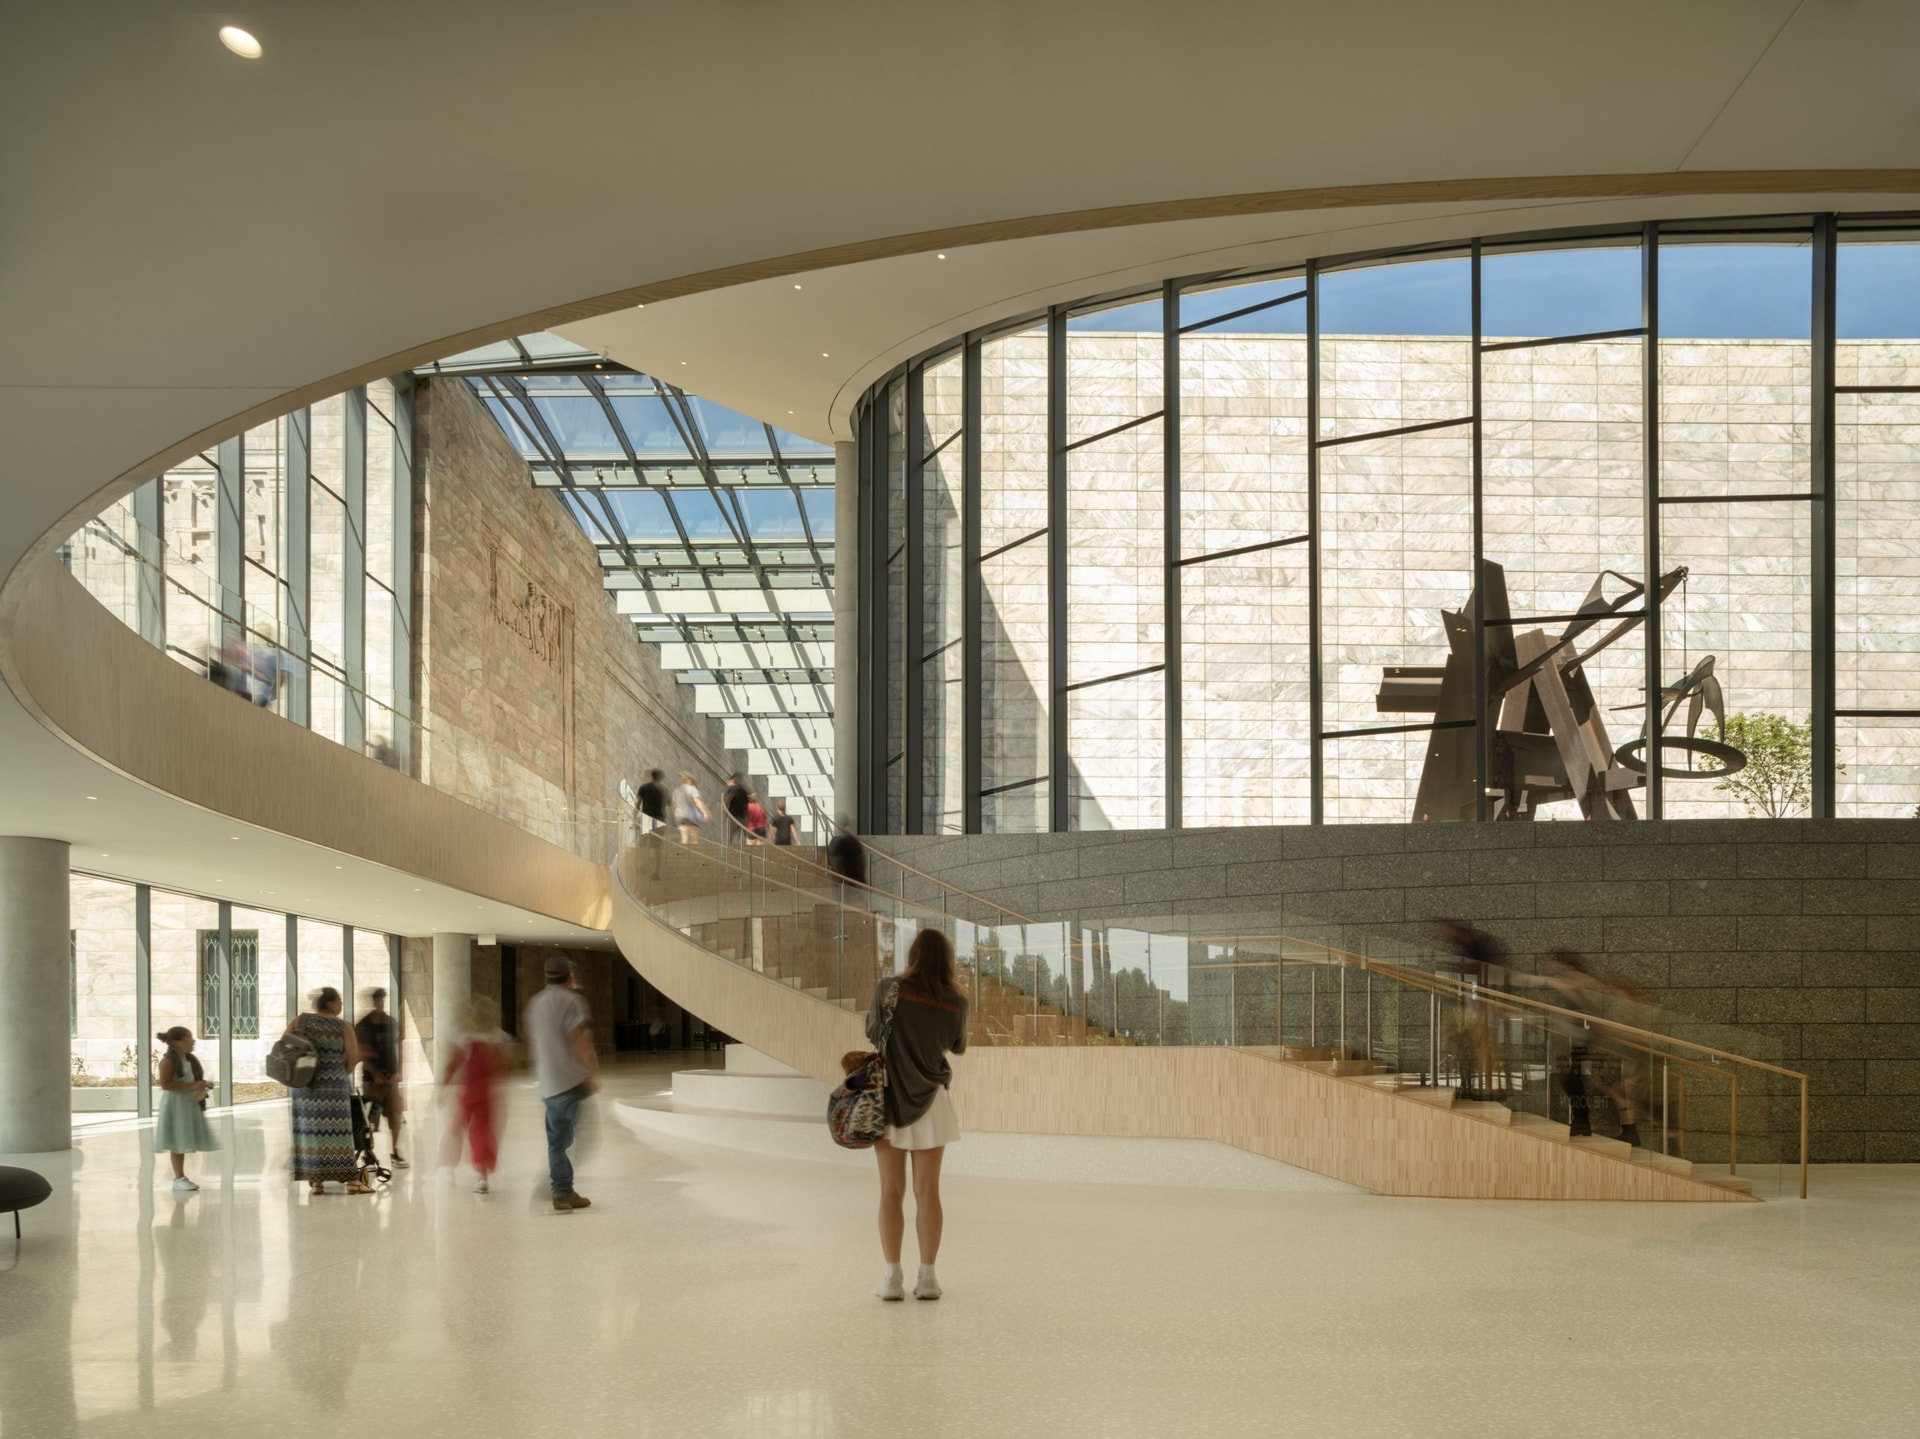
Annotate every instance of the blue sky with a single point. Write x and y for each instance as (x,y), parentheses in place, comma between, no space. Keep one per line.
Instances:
(1707,291)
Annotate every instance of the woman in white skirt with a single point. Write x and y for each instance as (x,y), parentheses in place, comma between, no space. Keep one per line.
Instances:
(928,1022)
(182,1125)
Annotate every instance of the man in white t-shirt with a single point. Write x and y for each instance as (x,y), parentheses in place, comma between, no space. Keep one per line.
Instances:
(564,1067)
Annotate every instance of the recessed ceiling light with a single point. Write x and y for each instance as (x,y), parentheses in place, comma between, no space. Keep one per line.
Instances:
(339,866)
(240,42)
(95,796)
(233,836)
(939,257)
(825,356)
(796,287)
(683,362)
(105,855)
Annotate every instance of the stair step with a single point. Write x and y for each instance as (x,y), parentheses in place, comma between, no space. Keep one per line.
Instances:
(1737,1183)
(1484,1109)
(852,1006)
(1666,1163)
(820,993)
(1599,1144)
(1430,1094)
(1541,1128)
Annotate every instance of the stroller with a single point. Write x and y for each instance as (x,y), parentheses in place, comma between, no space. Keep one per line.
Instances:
(366,1119)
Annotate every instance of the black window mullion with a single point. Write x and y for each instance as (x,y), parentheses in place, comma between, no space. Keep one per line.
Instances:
(1650,509)
(1483,729)
(973,601)
(1825,735)
(1170,553)
(1059,801)
(913,631)
(1316,753)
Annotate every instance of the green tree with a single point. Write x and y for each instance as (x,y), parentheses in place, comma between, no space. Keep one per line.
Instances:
(1778,779)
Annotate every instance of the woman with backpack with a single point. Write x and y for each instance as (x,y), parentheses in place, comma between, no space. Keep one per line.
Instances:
(323,1147)
(918,1020)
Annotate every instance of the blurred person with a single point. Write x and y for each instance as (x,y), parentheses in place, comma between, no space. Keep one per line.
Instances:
(782,823)
(478,1064)
(1623,1079)
(1482,963)
(689,811)
(263,672)
(846,855)
(733,803)
(917,1020)
(652,802)
(323,1147)
(756,820)
(379,1040)
(566,1070)
(181,1127)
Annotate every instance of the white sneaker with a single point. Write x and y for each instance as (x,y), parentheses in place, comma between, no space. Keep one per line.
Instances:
(926,1286)
(480,1185)
(892,1286)
(184,1185)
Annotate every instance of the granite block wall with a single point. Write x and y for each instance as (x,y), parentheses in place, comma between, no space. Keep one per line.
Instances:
(540,698)
(1793,941)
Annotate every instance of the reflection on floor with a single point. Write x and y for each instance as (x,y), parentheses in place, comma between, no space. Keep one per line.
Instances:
(711,1291)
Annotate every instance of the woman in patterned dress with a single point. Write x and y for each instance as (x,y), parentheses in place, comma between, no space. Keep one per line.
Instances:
(323,1111)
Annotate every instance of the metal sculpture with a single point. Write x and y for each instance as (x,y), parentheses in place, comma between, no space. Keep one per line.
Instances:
(1546,738)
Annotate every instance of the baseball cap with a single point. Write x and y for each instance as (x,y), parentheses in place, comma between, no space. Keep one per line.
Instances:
(558,966)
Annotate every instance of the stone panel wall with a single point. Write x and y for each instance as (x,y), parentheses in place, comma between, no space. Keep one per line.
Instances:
(1795,941)
(540,699)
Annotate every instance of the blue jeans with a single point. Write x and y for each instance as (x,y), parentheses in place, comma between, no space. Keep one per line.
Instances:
(562,1112)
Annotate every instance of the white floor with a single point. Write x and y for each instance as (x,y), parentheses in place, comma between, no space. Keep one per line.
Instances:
(712,1291)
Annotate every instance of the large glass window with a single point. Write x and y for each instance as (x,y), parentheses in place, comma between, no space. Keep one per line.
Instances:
(1244,613)
(1736,395)
(109,1045)
(894,477)
(1013,619)
(942,471)
(1602,446)
(1115,692)
(238,561)
(1395,449)
(1877,524)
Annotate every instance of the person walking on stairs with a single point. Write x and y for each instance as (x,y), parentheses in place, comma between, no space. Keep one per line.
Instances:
(923,1015)
(565,1069)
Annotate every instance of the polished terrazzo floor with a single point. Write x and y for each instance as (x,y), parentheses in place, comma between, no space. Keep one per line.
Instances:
(716,1292)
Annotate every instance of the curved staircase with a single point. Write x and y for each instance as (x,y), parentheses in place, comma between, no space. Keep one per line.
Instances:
(784,957)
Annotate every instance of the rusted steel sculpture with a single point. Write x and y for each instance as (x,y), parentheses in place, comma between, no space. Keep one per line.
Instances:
(1547,739)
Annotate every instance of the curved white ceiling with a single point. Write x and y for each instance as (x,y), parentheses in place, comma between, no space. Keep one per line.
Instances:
(187,235)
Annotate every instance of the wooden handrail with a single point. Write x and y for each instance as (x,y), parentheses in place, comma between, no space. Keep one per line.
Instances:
(1422,979)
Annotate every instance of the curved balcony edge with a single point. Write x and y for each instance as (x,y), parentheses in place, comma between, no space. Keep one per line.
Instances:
(1377,1140)
(99,687)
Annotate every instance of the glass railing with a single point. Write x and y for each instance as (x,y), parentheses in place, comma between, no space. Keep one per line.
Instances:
(1581,1061)
(176,604)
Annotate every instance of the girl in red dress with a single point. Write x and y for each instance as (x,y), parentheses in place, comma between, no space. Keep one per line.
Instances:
(478,1062)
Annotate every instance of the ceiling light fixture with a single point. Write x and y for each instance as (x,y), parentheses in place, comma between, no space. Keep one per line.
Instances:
(240,42)
(825,356)
(796,287)
(95,796)
(939,257)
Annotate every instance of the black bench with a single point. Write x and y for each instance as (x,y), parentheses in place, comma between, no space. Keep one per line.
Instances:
(21,1189)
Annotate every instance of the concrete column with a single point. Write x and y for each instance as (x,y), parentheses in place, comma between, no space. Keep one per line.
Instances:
(846,628)
(452,988)
(36,1100)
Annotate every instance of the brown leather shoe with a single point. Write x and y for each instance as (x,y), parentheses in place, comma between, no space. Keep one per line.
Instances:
(564,1202)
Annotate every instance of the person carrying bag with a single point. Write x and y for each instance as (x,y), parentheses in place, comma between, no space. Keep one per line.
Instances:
(857,1110)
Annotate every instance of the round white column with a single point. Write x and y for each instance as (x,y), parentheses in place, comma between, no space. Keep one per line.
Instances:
(36,1098)
(452,988)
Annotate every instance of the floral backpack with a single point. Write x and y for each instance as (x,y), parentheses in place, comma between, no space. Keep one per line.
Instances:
(857,1110)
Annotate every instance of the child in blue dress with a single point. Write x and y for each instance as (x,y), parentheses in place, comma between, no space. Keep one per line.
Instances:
(182,1128)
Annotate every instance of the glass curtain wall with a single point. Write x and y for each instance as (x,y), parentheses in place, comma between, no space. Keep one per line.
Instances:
(1413,536)
(279,564)
(143,960)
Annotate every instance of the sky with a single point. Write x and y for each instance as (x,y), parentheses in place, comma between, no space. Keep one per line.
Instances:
(1707,291)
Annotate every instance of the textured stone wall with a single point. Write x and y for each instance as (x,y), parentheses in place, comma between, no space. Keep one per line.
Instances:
(540,699)
(1794,941)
